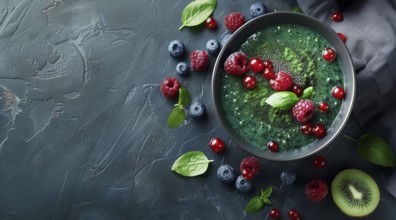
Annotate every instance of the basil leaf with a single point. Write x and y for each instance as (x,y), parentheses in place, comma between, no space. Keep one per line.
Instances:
(197,12)
(267,201)
(254,205)
(307,93)
(376,150)
(191,164)
(266,193)
(176,118)
(284,100)
(184,97)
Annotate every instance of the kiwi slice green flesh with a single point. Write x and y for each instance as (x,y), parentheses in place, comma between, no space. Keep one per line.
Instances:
(355,192)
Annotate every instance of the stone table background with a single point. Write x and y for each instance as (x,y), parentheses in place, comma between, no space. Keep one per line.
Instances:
(83,130)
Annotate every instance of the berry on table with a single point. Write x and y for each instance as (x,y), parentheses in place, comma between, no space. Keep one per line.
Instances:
(234,20)
(316,190)
(199,60)
(268,64)
(274,213)
(213,46)
(273,146)
(248,174)
(242,185)
(216,144)
(328,54)
(236,64)
(256,64)
(226,174)
(294,215)
(283,81)
(197,110)
(176,48)
(288,176)
(319,131)
(210,23)
(304,110)
(323,106)
(342,37)
(297,89)
(319,162)
(249,82)
(269,73)
(336,16)
(338,92)
(251,165)
(182,68)
(257,9)
(170,87)
(306,128)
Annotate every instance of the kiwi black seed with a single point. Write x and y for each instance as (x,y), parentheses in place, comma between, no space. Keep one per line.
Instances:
(355,192)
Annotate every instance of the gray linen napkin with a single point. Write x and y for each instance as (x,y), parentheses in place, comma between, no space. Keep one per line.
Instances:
(370,28)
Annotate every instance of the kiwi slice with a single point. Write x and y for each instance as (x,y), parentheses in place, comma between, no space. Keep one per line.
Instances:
(355,192)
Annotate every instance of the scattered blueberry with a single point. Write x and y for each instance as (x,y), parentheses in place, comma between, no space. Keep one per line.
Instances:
(243,185)
(226,174)
(288,176)
(182,68)
(197,109)
(213,46)
(176,48)
(257,9)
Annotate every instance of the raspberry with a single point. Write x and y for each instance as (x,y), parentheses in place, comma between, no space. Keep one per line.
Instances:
(304,110)
(250,165)
(199,60)
(170,87)
(282,82)
(316,190)
(234,20)
(236,64)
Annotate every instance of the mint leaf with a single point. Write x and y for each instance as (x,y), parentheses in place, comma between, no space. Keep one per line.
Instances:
(307,93)
(197,12)
(284,100)
(376,150)
(184,97)
(267,192)
(267,201)
(254,205)
(176,118)
(191,164)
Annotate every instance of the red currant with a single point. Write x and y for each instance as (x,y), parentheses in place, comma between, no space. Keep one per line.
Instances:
(306,128)
(216,144)
(249,82)
(274,213)
(269,73)
(319,130)
(338,92)
(210,23)
(297,89)
(248,174)
(328,54)
(268,64)
(336,16)
(273,146)
(256,64)
(342,37)
(294,215)
(323,106)
(319,162)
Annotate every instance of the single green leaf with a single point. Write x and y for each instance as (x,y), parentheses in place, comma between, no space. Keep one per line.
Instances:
(376,150)
(197,12)
(283,100)
(267,201)
(184,97)
(176,118)
(267,192)
(191,164)
(296,9)
(254,205)
(307,93)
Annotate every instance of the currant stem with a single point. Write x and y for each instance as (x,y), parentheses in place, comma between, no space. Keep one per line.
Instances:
(350,138)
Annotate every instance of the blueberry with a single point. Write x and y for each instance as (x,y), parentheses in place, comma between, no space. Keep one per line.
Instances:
(288,176)
(226,174)
(176,48)
(182,68)
(257,9)
(197,109)
(213,46)
(242,185)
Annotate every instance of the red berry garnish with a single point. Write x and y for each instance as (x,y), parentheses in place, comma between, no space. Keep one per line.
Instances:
(274,213)
(319,162)
(342,37)
(248,174)
(216,144)
(268,64)
(319,130)
(256,64)
(273,146)
(234,20)
(199,60)
(210,23)
(236,64)
(338,92)
(328,54)
(316,190)
(336,16)
(250,165)
(304,110)
(269,73)
(294,215)
(170,87)
(306,128)
(297,89)
(283,81)
(249,82)
(323,106)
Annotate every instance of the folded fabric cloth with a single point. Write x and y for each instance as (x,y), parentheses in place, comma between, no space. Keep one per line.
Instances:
(370,28)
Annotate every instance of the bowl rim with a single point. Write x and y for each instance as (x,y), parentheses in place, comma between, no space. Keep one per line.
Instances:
(270,19)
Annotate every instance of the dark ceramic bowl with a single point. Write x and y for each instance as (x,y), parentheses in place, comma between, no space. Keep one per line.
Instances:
(257,24)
